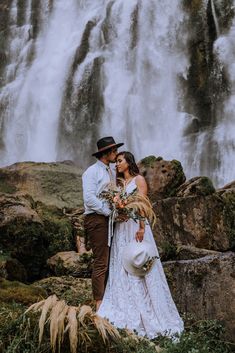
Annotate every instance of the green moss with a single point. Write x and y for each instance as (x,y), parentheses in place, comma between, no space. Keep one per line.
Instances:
(20,293)
(32,242)
(178,180)
(229,216)
(4,256)
(206,186)
(58,230)
(74,291)
(6,187)
(149,161)
(168,251)
(26,242)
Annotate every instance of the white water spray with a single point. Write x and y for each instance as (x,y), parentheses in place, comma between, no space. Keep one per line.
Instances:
(142,47)
(225,131)
(37,91)
(141,92)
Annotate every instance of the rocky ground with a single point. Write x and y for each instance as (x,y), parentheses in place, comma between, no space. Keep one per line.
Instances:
(41,217)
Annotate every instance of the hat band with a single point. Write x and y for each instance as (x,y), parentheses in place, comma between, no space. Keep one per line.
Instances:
(105,148)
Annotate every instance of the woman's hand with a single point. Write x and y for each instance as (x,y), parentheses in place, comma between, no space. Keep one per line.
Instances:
(139,236)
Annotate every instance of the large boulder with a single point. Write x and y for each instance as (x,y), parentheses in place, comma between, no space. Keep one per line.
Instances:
(205,222)
(32,232)
(163,177)
(54,184)
(74,290)
(71,263)
(201,186)
(12,269)
(188,252)
(204,288)
(34,200)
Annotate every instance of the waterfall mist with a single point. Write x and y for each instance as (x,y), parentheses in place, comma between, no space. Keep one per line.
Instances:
(156,75)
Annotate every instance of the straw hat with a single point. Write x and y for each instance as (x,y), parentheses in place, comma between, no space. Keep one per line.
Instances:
(138,257)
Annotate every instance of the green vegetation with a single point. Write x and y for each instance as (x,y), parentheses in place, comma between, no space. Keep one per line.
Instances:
(14,291)
(58,231)
(19,334)
(6,186)
(229,213)
(168,251)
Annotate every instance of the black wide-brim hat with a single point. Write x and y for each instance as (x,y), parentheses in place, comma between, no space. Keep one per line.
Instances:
(105,144)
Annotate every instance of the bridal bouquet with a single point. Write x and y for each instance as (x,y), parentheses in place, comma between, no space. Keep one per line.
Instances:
(131,205)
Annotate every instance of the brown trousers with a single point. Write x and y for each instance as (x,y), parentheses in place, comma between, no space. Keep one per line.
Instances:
(96,228)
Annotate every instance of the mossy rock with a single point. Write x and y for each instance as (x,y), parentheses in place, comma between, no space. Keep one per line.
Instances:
(205,222)
(228,197)
(163,177)
(57,231)
(74,291)
(201,186)
(31,232)
(167,251)
(11,268)
(149,161)
(20,293)
(54,184)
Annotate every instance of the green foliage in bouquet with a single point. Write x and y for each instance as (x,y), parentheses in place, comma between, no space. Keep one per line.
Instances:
(133,205)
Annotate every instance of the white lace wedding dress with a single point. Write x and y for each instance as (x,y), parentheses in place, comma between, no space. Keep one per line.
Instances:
(143,304)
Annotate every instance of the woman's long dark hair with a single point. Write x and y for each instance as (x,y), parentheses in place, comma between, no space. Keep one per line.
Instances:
(130,159)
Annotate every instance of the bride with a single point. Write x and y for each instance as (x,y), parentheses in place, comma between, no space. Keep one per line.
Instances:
(132,300)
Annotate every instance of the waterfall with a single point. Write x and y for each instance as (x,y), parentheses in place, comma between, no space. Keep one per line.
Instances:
(139,62)
(158,76)
(35,92)
(225,130)
(143,63)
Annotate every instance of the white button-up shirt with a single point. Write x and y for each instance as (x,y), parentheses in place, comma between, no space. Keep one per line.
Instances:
(94,180)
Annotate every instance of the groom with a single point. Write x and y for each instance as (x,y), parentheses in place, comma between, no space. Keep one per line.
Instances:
(97,211)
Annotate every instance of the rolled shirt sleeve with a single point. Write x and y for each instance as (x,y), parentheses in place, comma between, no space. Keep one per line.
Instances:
(91,201)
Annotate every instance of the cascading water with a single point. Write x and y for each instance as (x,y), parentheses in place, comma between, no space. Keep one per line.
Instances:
(139,61)
(143,62)
(225,130)
(127,68)
(37,90)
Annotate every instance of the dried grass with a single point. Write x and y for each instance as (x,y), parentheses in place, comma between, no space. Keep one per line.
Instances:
(64,318)
(142,205)
(85,310)
(135,201)
(104,328)
(57,318)
(72,327)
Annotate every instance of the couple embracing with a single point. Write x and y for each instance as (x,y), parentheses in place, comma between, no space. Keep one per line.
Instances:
(128,281)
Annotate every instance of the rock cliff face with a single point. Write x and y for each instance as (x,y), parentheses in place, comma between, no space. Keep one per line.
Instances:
(204,288)
(194,233)
(33,226)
